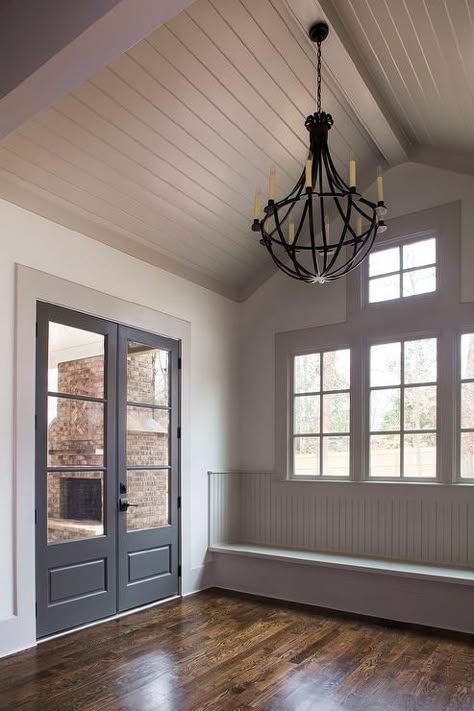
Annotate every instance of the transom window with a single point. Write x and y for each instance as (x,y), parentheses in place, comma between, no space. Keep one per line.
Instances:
(467,407)
(403,403)
(321,414)
(401,271)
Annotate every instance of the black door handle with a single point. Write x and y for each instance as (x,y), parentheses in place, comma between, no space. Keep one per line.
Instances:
(124,505)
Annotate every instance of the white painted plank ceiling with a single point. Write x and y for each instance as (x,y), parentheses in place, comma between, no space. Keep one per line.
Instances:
(159,153)
(162,149)
(420,57)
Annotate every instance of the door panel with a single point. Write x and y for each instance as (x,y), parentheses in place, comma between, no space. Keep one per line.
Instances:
(148,467)
(106,468)
(75,469)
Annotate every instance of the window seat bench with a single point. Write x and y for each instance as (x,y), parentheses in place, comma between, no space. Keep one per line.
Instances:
(404,569)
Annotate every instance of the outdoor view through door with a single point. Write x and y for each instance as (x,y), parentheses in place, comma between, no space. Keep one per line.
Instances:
(107,468)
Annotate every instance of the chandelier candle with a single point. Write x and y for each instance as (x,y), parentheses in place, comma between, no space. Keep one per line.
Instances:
(295,229)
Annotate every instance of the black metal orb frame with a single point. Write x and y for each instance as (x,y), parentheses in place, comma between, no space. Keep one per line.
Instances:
(325,260)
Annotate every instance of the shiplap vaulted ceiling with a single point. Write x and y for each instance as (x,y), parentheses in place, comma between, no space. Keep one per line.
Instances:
(159,153)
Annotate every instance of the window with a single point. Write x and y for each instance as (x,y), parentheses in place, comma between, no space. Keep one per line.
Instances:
(403,409)
(467,407)
(321,414)
(405,413)
(405,270)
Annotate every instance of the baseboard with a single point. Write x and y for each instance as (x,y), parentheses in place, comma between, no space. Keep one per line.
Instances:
(442,605)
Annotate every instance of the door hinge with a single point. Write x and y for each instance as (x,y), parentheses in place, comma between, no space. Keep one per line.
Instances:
(179,432)
(36,516)
(36,422)
(180,363)
(179,571)
(179,502)
(37,329)
(36,609)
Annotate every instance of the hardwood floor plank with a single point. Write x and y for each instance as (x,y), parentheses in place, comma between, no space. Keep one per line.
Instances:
(222,652)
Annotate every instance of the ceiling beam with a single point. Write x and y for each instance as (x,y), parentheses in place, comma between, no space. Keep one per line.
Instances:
(53,52)
(338,56)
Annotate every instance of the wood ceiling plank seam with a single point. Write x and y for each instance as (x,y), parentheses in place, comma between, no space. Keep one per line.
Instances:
(401,60)
(184,141)
(215,118)
(456,32)
(177,189)
(158,95)
(62,187)
(233,109)
(35,199)
(428,69)
(194,180)
(441,76)
(285,117)
(383,58)
(91,178)
(374,67)
(277,32)
(128,169)
(206,27)
(99,218)
(201,131)
(451,91)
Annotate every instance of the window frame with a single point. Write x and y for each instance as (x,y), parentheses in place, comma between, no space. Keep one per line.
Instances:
(321,435)
(402,339)
(388,241)
(355,324)
(469,481)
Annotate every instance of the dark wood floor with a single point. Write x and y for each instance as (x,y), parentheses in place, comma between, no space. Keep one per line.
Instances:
(218,651)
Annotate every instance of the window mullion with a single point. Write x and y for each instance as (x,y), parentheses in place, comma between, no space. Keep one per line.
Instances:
(402,410)
(447,405)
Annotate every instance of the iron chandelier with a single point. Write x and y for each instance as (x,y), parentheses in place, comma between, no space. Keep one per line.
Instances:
(295,230)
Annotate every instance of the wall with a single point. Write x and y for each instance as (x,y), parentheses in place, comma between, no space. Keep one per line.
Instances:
(284,305)
(210,363)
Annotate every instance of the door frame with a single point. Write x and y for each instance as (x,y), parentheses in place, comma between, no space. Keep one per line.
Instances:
(18,631)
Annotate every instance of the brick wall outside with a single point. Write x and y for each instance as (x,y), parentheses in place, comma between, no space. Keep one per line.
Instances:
(75,438)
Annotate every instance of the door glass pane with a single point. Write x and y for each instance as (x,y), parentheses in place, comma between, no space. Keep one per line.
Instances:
(147,374)
(337,370)
(336,456)
(307,414)
(336,409)
(147,436)
(75,433)
(148,490)
(75,505)
(306,456)
(420,455)
(385,409)
(75,361)
(420,361)
(308,373)
(385,455)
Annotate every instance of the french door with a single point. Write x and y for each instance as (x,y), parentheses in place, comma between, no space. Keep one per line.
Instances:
(107,461)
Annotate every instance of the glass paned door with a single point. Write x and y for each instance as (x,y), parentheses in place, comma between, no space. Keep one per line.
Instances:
(76,469)
(148,465)
(106,468)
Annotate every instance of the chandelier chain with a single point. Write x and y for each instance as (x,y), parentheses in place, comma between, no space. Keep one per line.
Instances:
(318,103)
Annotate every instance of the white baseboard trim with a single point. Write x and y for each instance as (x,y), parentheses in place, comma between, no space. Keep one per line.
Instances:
(445,605)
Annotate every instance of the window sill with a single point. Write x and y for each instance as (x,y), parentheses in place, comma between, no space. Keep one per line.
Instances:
(463,576)
(372,482)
